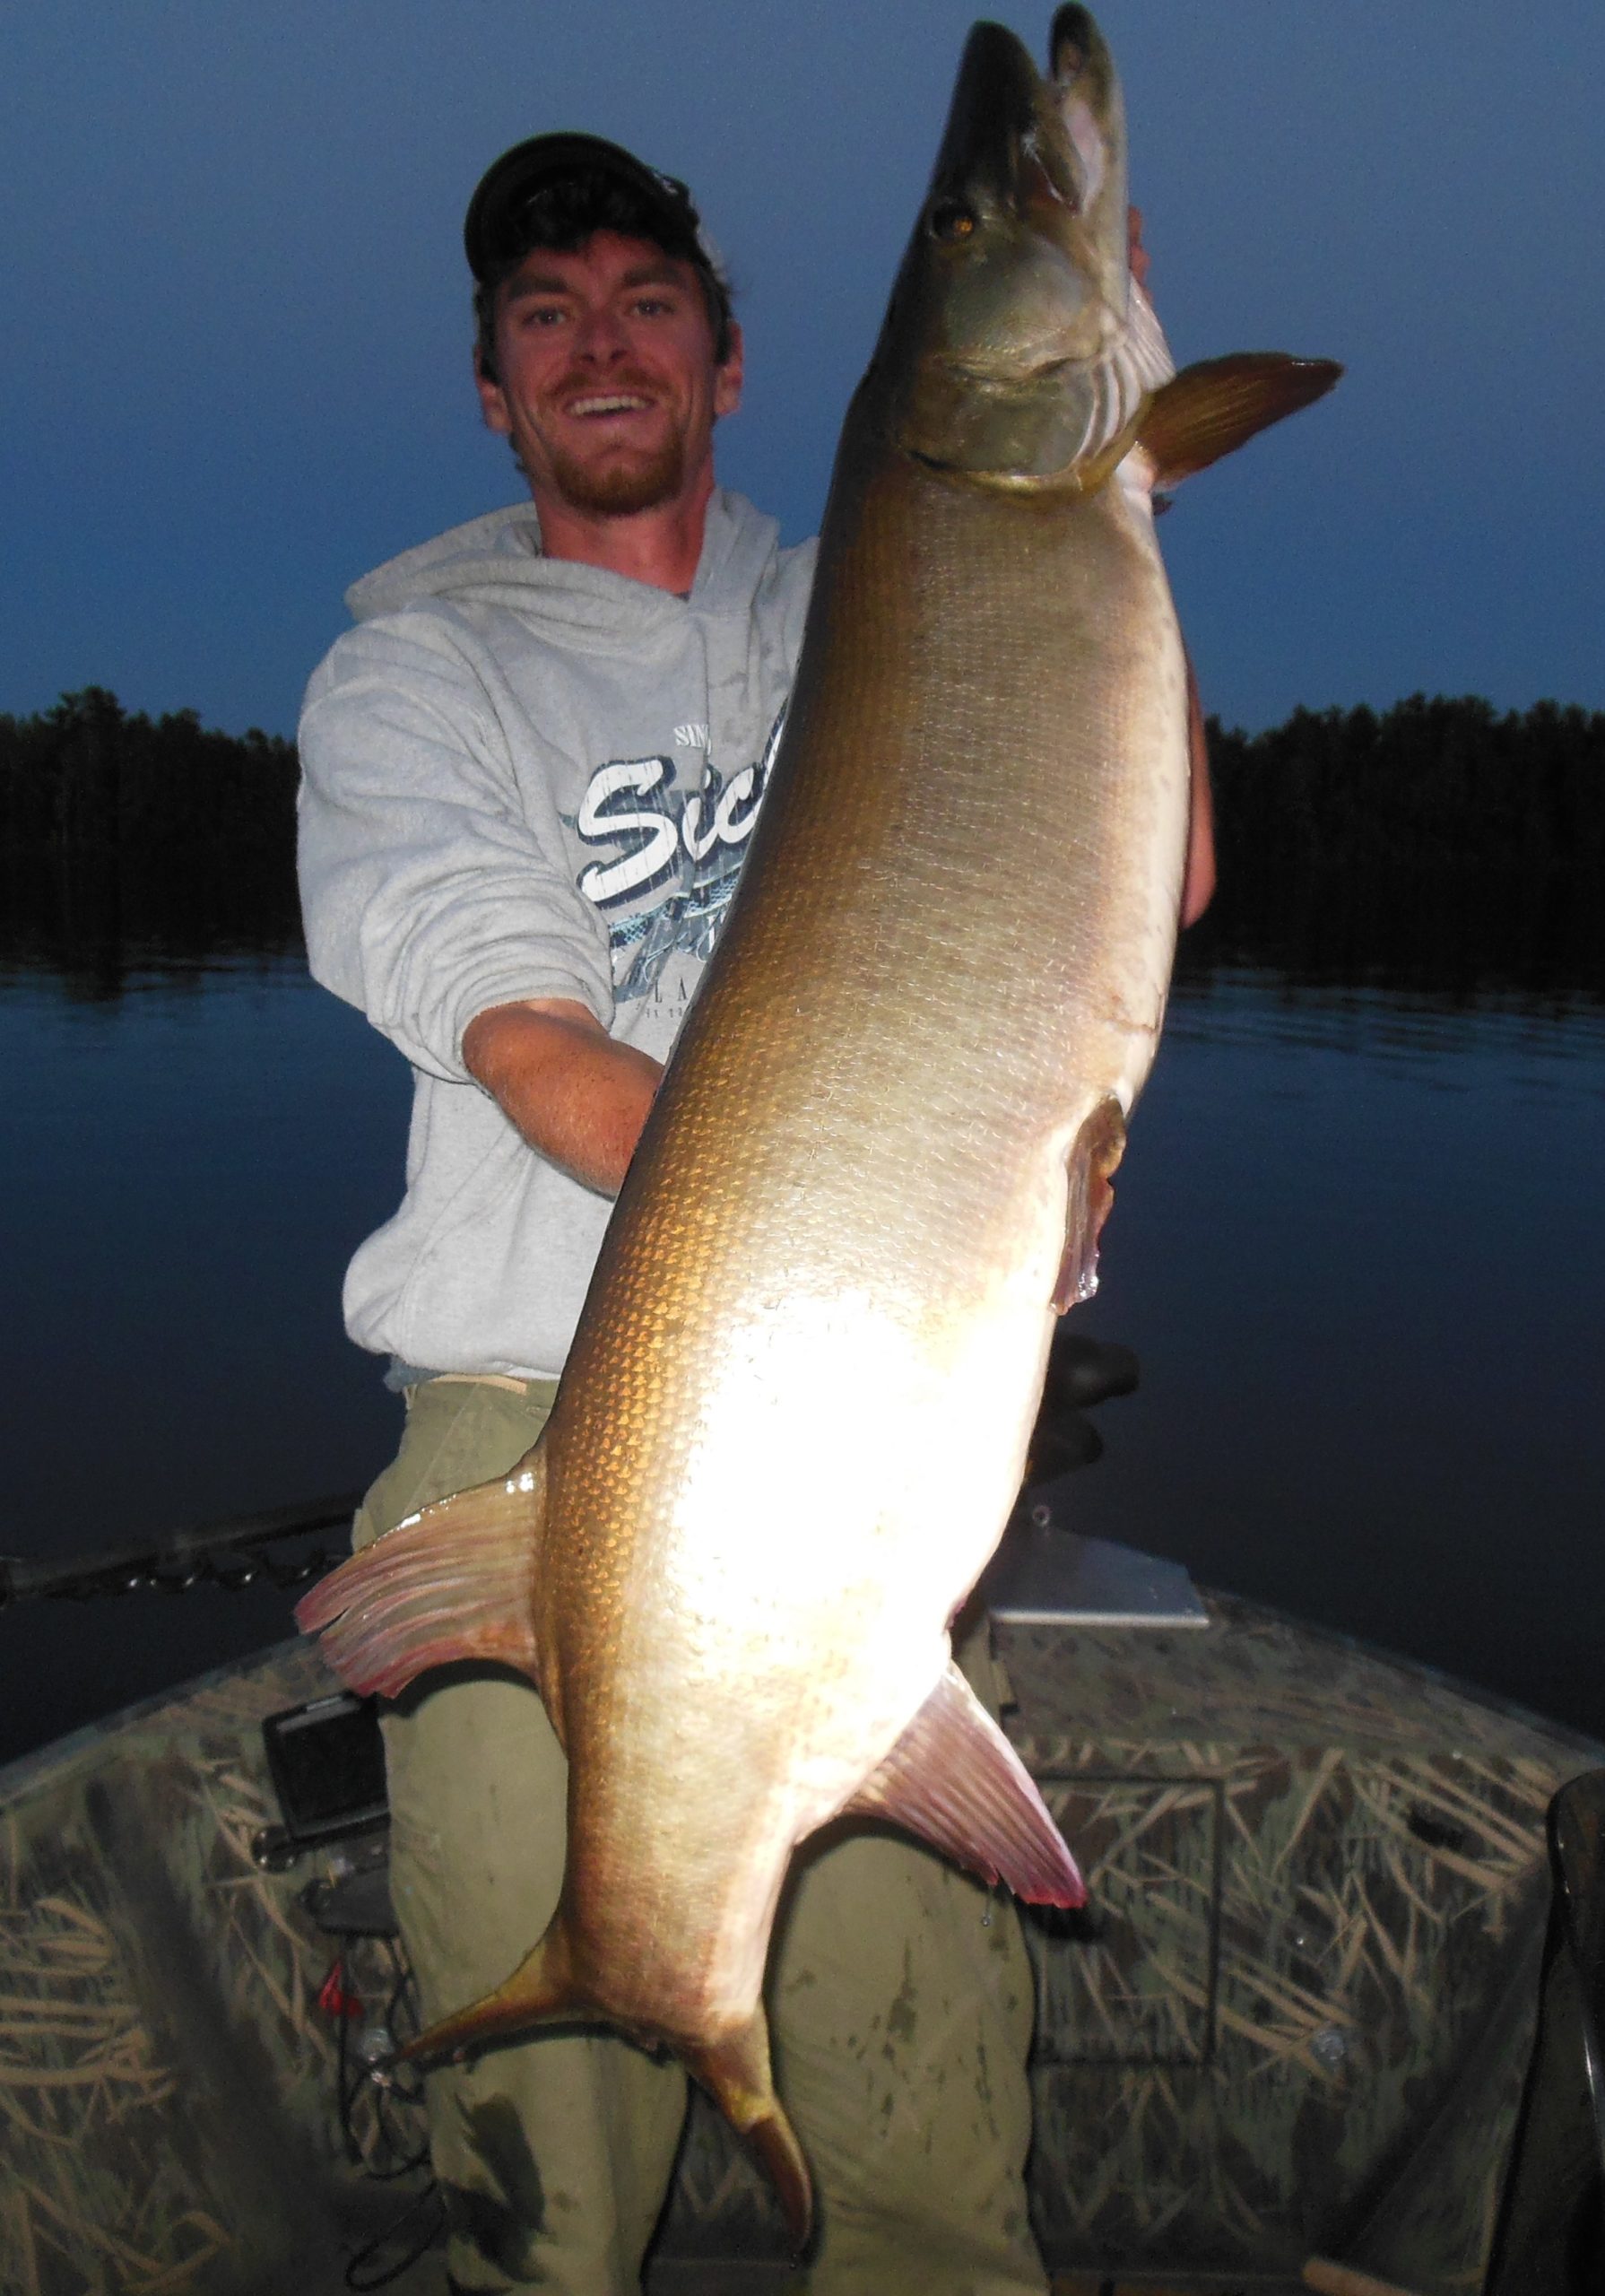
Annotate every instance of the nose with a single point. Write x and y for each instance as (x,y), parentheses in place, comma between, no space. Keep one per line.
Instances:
(601,338)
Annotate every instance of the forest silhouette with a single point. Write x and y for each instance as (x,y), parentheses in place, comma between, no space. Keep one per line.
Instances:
(1438,848)
(131,844)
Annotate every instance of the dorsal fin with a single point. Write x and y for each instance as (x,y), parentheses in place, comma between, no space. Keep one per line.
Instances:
(954,1779)
(456,1581)
(1218,404)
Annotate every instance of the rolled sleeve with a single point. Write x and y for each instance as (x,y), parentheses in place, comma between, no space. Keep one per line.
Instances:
(435,878)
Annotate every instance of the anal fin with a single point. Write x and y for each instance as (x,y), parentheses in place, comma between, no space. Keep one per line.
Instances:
(454,1581)
(954,1779)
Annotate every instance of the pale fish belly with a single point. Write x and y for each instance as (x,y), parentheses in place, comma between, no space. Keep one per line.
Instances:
(804,1638)
(886,1430)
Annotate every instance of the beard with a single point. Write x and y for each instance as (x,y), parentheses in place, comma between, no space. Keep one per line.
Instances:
(622,486)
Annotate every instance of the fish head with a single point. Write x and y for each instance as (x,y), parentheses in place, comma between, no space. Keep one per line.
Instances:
(1016,348)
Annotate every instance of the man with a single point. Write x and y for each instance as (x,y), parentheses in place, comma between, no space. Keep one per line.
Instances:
(529,774)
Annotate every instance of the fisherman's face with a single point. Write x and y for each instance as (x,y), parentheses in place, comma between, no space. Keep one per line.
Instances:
(608,385)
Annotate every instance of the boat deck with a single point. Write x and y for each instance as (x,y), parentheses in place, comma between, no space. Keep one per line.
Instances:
(1298,2026)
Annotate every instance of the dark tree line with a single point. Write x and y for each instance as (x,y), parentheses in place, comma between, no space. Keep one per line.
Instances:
(129,841)
(1439,846)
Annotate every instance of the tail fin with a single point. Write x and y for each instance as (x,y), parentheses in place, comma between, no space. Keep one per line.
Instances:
(734,2069)
(455,1580)
(735,2072)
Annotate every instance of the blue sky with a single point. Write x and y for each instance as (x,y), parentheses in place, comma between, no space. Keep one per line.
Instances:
(234,363)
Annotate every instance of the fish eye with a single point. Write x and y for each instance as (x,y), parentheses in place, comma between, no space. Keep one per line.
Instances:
(950,220)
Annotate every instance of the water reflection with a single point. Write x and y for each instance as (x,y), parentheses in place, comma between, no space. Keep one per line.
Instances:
(1224,1003)
(83,925)
(187,1166)
(1356,1245)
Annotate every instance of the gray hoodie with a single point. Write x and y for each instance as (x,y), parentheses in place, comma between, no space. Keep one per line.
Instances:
(522,776)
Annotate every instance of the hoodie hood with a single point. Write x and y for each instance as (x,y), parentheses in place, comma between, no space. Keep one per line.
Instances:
(496,561)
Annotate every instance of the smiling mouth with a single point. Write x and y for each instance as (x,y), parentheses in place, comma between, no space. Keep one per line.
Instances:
(610,403)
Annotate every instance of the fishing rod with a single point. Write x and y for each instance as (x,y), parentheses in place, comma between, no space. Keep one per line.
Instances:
(238,1551)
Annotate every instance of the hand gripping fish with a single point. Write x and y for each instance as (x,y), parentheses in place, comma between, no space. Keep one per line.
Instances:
(878,1162)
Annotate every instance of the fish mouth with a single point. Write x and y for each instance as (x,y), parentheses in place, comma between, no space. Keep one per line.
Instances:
(1043,153)
(1015,352)
(998,152)
(977,372)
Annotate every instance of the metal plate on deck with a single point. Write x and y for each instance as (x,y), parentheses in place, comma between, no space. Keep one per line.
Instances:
(1043,1577)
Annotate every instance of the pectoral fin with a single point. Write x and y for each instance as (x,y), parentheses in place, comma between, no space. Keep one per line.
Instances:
(1216,406)
(954,1779)
(454,1581)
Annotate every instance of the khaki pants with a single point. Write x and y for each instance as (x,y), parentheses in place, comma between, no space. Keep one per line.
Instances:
(900,1996)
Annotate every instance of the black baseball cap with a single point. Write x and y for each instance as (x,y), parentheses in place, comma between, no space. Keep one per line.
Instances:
(491,229)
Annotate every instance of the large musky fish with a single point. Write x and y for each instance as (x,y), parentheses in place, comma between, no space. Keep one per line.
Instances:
(881,1158)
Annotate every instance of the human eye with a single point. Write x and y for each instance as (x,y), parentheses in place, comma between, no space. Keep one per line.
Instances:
(653,306)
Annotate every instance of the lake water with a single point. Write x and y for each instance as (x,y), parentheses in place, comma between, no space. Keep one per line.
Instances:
(1356,1244)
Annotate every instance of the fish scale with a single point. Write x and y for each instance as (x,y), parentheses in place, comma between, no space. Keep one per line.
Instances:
(796,1410)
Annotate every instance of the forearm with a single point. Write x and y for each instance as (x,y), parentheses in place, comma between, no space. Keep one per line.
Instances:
(577,1096)
(1197,882)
